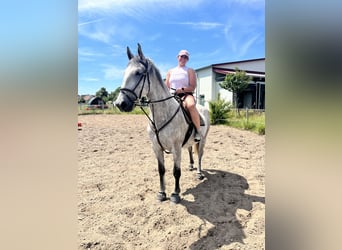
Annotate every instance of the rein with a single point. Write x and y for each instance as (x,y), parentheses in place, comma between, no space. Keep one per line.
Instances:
(132,91)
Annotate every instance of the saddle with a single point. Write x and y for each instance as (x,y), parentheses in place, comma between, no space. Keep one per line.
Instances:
(187,116)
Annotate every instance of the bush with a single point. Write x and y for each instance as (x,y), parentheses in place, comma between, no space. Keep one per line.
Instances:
(219,110)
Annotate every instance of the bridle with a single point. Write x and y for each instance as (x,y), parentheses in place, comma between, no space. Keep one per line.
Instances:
(137,100)
(142,78)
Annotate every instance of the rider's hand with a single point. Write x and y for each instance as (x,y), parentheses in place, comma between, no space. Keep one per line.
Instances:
(178,91)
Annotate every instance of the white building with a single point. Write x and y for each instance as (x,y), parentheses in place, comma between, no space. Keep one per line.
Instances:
(209,77)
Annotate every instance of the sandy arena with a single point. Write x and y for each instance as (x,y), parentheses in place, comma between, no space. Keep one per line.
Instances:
(118,182)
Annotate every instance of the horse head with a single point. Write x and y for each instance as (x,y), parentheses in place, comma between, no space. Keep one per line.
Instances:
(135,81)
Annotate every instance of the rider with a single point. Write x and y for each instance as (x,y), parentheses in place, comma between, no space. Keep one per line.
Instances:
(181,80)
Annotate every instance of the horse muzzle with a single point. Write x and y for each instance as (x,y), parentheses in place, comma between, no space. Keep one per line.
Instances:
(124,103)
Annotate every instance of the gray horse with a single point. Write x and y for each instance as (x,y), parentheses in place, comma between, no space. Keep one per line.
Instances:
(169,129)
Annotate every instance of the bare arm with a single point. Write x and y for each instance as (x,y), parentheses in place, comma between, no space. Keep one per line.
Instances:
(192,81)
(167,79)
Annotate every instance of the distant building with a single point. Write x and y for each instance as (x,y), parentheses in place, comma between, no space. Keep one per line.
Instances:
(85,98)
(209,77)
(96,103)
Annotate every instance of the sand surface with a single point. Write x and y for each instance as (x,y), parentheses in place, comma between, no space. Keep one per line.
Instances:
(118,182)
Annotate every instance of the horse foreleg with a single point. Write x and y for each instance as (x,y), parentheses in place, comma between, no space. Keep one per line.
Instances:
(191,164)
(161,169)
(177,174)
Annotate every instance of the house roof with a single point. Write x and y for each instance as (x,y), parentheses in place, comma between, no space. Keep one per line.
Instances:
(87,97)
(243,61)
(253,67)
(226,71)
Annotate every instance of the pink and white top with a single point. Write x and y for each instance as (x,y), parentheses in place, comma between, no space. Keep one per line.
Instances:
(179,78)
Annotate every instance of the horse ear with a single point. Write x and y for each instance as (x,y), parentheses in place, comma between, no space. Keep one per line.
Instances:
(140,53)
(129,53)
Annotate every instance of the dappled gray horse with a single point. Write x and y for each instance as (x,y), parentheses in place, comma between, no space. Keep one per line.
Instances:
(168,128)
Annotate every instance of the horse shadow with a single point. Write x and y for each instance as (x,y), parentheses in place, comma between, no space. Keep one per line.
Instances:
(216,200)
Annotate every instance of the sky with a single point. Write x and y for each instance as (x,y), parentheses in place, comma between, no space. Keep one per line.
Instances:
(213,32)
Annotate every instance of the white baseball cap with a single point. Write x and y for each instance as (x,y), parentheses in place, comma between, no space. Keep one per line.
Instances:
(184,52)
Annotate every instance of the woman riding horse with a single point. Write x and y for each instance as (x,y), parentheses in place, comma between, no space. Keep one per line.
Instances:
(168,128)
(181,80)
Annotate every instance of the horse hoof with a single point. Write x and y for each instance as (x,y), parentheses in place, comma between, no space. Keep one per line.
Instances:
(161,196)
(175,198)
(200,177)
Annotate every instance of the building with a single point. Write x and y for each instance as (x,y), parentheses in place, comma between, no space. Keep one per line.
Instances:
(84,98)
(209,77)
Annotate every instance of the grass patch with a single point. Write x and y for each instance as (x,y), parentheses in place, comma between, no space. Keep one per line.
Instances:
(253,121)
(110,111)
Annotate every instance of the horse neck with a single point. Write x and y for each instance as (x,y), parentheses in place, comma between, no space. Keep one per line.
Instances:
(157,88)
(159,91)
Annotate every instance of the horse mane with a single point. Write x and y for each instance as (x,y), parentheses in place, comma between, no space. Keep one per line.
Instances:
(148,63)
(156,72)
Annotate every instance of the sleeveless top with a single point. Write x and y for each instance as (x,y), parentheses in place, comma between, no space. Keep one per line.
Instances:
(179,78)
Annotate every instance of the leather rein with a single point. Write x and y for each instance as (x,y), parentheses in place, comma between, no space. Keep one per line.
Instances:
(143,78)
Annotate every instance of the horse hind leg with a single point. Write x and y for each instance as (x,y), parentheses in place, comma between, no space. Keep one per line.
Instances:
(200,148)
(199,151)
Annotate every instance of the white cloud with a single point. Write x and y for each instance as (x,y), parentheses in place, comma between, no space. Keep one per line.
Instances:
(98,33)
(88,55)
(134,7)
(201,25)
(86,52)
(247,44)
(90,22)
(250,2)
(113,73)
(86,5)
(89,79)
(241,32)
(113,20)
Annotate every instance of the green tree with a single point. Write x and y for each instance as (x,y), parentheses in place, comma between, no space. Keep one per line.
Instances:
(236,83)
(114,94)
(103,94)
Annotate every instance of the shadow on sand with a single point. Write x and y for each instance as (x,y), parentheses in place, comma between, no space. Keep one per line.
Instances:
(216,201)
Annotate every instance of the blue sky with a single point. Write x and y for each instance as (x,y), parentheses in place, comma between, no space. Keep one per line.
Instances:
(213,32)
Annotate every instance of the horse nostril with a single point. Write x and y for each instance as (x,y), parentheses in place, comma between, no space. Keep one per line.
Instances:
(121,105)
